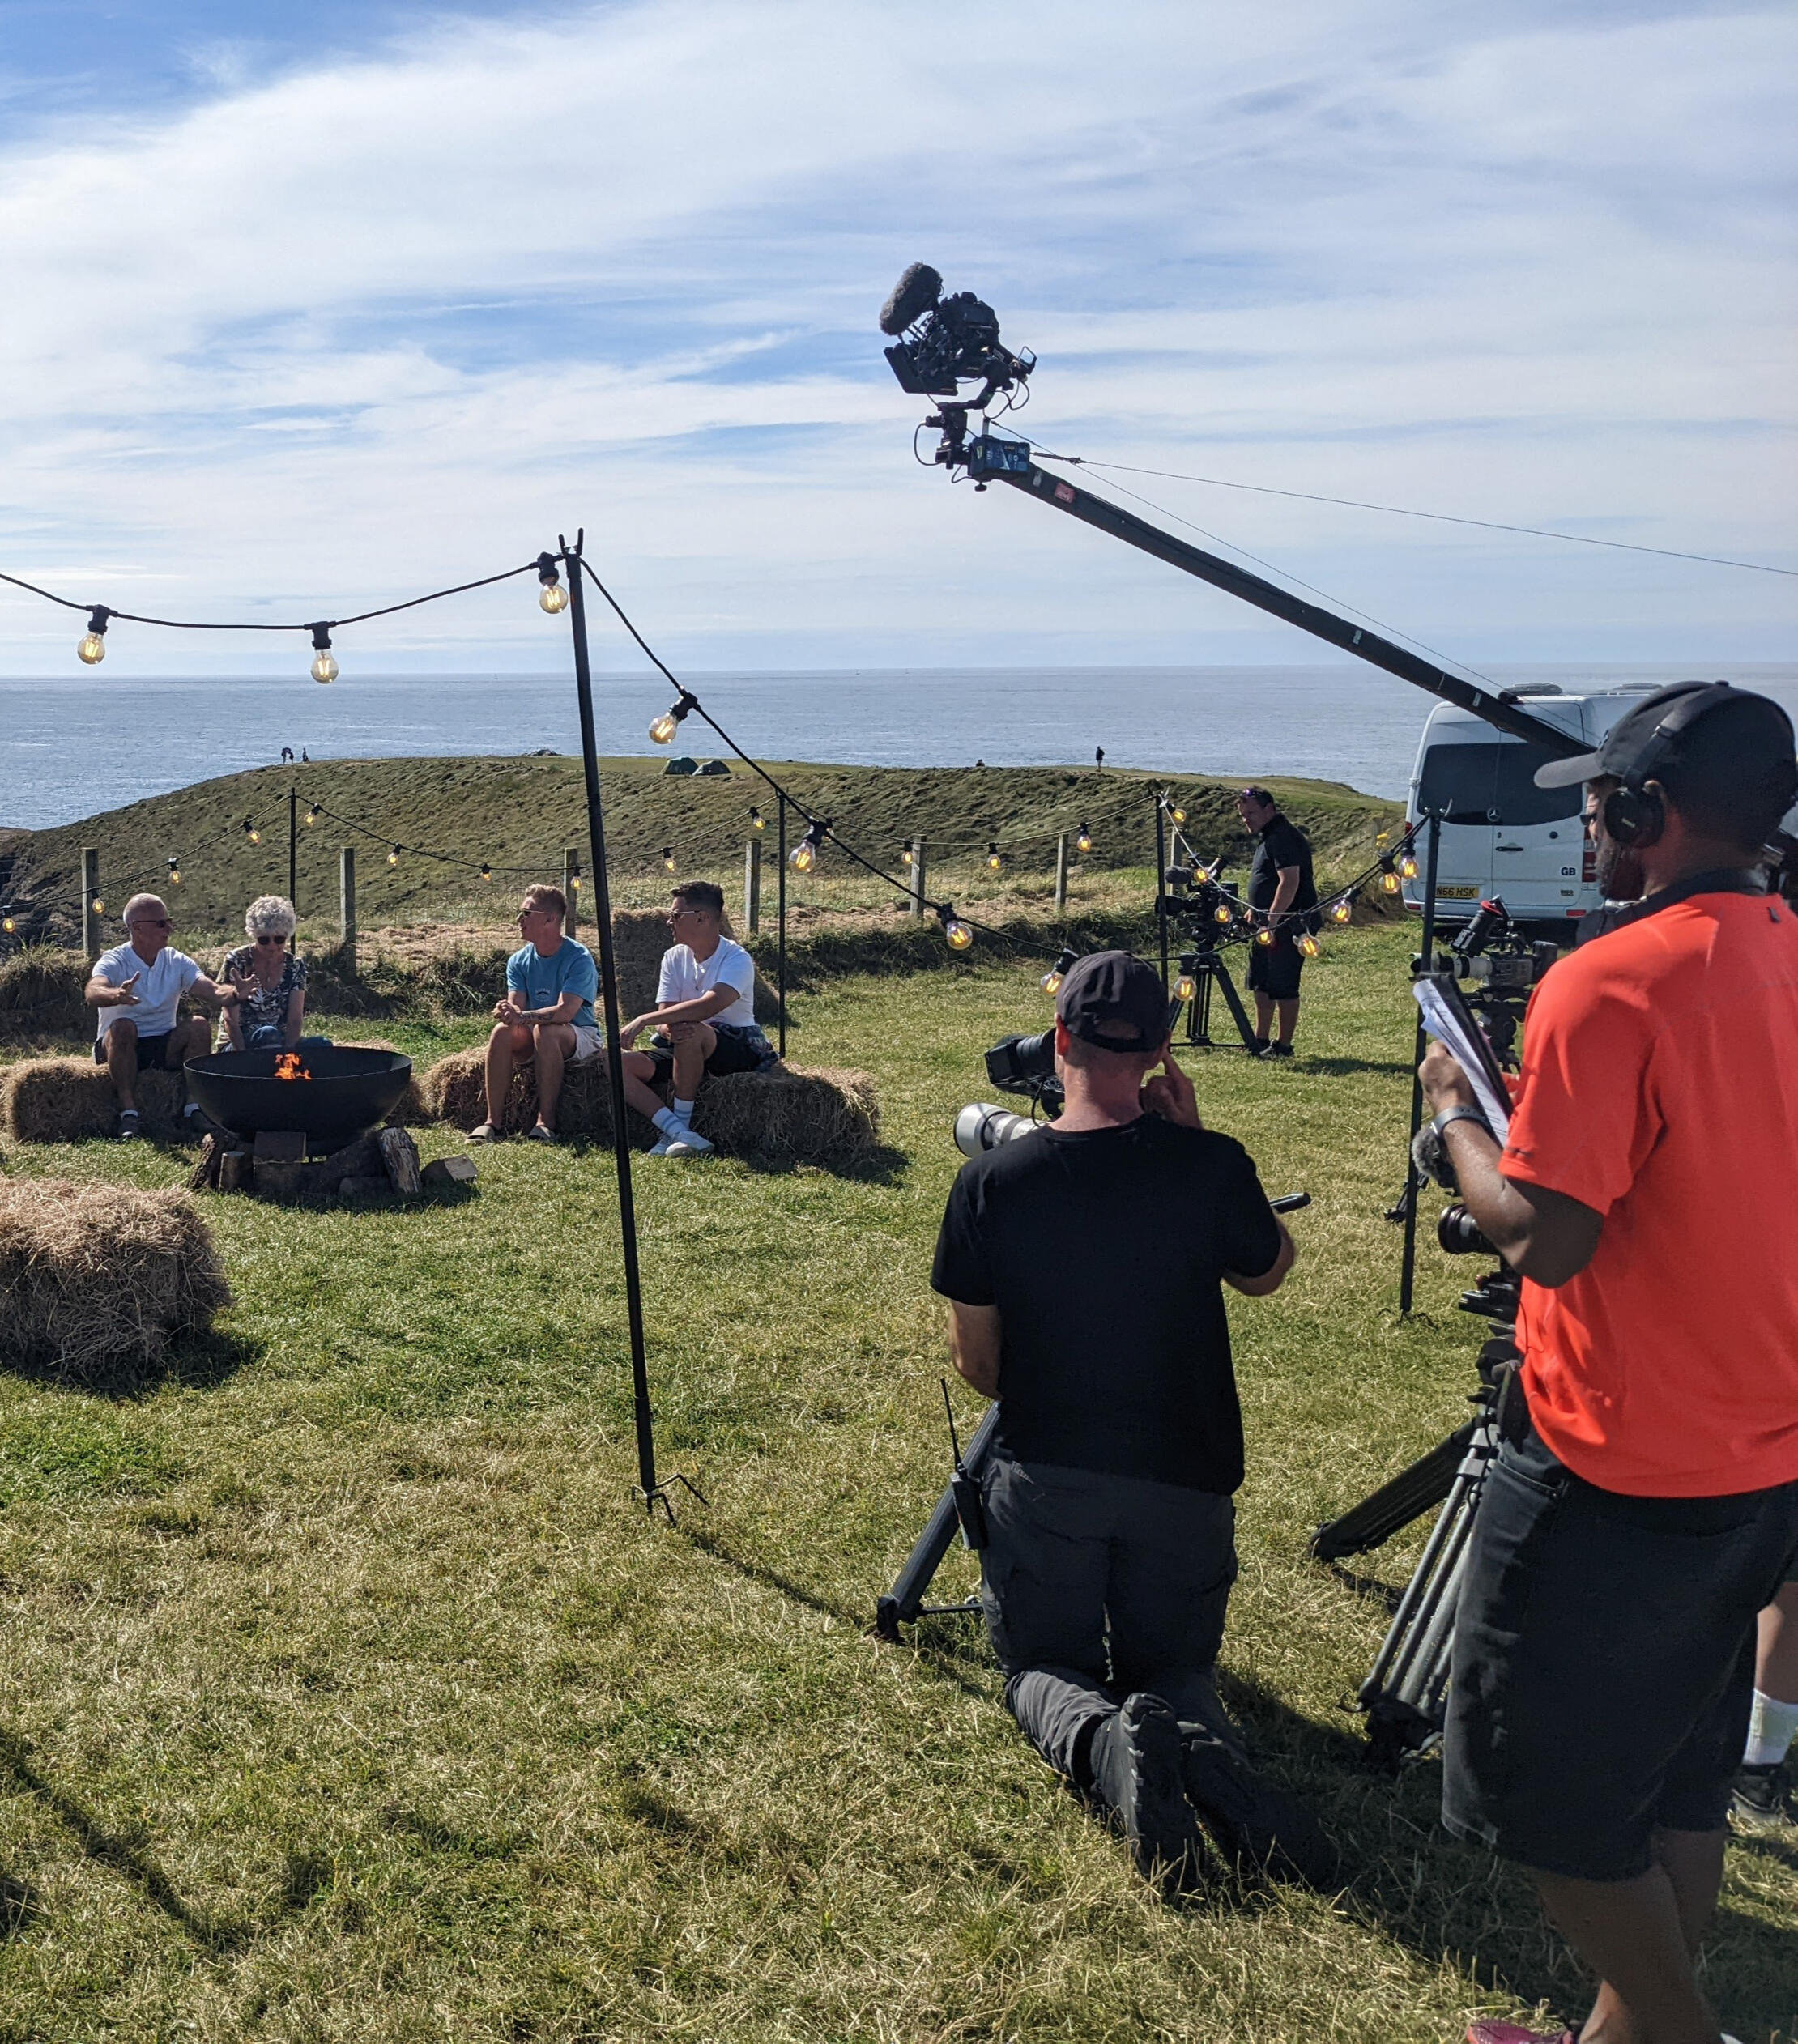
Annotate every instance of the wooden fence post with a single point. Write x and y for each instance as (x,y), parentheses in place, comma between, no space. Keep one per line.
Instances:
(91,943)
(571,874)
(1061,874)
(346,896)
(917,876)
(751,885)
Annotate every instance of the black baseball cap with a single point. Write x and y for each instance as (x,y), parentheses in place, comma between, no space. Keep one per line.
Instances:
(1648,738)
(1106,988)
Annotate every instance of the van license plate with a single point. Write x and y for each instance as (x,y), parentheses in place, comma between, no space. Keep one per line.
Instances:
(1457,894)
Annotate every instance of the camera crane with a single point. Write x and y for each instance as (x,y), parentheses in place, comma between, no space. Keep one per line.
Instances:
(940,344)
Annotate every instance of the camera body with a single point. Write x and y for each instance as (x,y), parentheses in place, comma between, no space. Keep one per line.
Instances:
(1502,966)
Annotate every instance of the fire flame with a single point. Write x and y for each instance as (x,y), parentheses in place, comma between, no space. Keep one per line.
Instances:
(288,1066)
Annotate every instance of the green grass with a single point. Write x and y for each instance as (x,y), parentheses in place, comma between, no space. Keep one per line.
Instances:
(345,1693)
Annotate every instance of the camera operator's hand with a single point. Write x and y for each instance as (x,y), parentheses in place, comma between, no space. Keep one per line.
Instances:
(1444,1084)
(1168,1092)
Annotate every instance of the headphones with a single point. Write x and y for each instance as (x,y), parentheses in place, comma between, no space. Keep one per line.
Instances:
(1633,817)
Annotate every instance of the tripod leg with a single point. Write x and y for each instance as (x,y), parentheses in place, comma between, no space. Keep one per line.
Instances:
(900,1605)
(1407,1495)
(1233,1002)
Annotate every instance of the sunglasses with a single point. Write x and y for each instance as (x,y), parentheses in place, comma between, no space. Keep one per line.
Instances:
(152,923)
(270,940)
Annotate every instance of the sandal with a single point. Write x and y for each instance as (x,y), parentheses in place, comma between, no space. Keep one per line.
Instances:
(130,1123)
(486,1133)
(537,1133)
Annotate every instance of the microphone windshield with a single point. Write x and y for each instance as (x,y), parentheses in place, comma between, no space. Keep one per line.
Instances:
(915,294)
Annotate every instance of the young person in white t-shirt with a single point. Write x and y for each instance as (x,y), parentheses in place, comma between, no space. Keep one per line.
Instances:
(704,1021)
(138,986)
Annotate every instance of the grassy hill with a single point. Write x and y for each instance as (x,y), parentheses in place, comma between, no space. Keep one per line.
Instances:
(518,815)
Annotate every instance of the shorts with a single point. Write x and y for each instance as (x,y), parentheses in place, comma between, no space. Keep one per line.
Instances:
(154,1053)
(1274,969)
(590,1039)
(739,1048)
(1603,1663)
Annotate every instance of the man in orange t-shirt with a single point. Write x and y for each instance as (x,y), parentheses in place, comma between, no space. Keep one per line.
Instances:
(1628,1534)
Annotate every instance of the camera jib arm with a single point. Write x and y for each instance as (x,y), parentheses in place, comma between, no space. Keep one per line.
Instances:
(990,457)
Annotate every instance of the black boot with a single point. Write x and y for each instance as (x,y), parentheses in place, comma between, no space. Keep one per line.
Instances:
(1259,1830)
(1135,1766)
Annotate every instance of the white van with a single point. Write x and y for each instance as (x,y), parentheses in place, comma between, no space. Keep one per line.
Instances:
(1502,834)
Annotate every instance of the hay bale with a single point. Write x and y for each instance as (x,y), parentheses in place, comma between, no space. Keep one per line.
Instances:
(41,994)
(69,1100)
(773,1118)
(98,1280)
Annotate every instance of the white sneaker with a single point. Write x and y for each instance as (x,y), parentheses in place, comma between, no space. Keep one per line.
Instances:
(689,1145)
(661,1148)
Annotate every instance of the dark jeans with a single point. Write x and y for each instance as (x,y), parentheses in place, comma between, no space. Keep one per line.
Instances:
(270,1036)
(1603,1663)
(1096,1586)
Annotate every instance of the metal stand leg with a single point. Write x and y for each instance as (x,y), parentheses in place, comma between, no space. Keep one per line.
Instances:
(905,1601)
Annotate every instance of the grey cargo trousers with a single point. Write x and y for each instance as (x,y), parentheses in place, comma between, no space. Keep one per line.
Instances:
(1096,1586)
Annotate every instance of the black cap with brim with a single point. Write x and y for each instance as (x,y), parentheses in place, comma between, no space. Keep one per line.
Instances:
(1109,988)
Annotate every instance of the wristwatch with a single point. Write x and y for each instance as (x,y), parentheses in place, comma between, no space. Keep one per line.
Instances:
(1463,1113)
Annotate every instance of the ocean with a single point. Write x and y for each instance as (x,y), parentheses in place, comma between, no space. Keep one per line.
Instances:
(83,743)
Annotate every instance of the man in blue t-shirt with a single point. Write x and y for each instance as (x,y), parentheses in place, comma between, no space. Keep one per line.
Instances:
(546,1018)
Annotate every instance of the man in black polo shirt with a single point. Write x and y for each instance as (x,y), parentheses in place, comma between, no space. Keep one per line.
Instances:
(1280,888)
(1083,1265)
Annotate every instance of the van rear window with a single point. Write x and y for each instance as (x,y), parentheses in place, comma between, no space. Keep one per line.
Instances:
(1493,784)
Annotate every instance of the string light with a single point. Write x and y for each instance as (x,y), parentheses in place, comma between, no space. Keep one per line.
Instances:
(8,925)
(174,872)
(670,721)
(757,821)
(996,858)
(1389,875)
(1308,945)
(908,857)
(1058,972)
(251,832)
(1265,937)
(324,662)
(1083,839)
(668,858)
(1179,815)
(574,882)
(1223,913)
(311,816)
(99,906)
(1188,984)
(1407,866)
(485,872)
(955,930)
(804,854)
(393,856)
(1341,911)
(93,649)
(552,597)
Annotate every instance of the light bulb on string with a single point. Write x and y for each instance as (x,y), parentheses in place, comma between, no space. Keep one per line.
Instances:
(805,855)
(99,906)
(93,649)
(1083,839)
(668,858)
(1341,911)
(757,821)
(174,872)
(1389,876)
(324,662)
(908,857)
(1179,815)
(574,882)
(1223,914)
(1308,945)
(251,832)
(551,597)
(1057,973)
(311,816)
(1188,984)
(8,925)
(1265,938)
(1407,866)
(393,856)
(956,932)
(487,873)
(663,730)
(996,858)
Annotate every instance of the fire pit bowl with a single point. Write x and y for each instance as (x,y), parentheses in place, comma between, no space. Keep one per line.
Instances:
(350,1092)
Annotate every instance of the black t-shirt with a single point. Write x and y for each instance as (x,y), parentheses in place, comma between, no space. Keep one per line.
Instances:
(1103,1251)
(1282,844)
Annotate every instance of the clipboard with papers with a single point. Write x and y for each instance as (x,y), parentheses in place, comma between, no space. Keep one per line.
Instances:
(1447,1017)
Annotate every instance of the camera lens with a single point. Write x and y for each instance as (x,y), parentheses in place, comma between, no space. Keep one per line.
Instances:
(1459,1234)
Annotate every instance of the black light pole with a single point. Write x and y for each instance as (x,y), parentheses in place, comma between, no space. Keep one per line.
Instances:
(293,851)
(780,969)
(1160,881)
(652,1493)
(1407,1270)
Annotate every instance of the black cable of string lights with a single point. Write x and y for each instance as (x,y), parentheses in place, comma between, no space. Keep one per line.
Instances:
(483,869)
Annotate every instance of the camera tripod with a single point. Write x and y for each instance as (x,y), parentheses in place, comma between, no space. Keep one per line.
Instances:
(1209,971)
(1403,1695)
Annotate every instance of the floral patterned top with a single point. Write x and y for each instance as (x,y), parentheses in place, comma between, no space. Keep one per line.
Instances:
(265,1005)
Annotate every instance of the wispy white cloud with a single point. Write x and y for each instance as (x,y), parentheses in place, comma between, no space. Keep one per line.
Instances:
(405,313)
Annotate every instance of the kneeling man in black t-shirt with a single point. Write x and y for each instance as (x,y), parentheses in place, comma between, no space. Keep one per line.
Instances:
(1083,1265)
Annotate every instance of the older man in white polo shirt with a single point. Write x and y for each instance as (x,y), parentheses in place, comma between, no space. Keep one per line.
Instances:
(704,1021)
(137,987)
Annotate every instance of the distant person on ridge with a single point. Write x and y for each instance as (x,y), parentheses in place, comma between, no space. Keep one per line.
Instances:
(138,986)
(546,1017)
(1281,889)
(703,1023)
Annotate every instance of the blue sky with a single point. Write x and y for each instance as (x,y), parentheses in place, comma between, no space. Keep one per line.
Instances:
(381,295)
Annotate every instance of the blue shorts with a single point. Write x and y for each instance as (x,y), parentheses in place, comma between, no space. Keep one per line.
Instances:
(1603,1663)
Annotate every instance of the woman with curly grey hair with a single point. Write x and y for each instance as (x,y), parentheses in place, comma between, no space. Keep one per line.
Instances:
(270,981)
